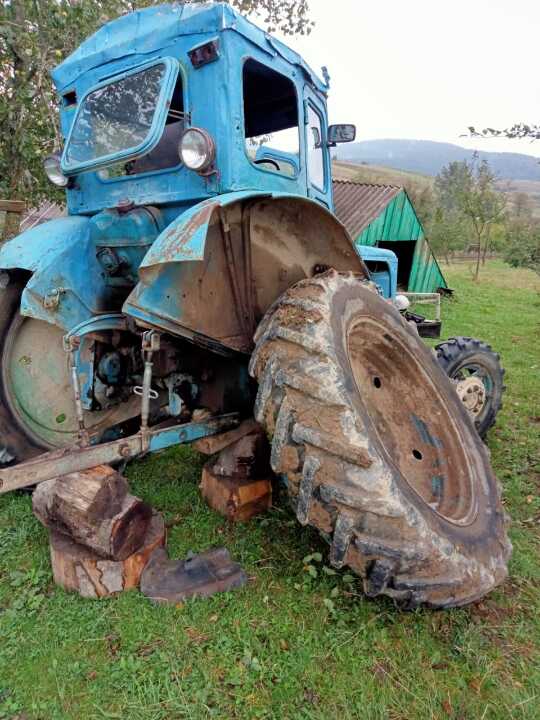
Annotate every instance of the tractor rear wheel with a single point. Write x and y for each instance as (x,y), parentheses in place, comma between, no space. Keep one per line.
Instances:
(15,445)
(478,376)
(375,447)
(37,409)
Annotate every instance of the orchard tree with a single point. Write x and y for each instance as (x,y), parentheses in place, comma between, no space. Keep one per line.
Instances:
(522,238)
(482,204)
(36,35)
(467,201)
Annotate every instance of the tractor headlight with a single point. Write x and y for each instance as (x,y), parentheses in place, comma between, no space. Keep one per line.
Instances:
(197,149)
(52,168)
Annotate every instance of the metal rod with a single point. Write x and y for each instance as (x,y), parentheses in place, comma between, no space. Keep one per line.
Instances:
(84,437)
(426,299)
(74,459)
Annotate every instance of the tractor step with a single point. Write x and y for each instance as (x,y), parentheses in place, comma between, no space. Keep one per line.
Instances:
(75,459)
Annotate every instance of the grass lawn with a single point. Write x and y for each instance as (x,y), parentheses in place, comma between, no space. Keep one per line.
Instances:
(291,645)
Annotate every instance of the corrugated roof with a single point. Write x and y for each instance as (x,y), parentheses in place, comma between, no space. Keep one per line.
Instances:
(359,204)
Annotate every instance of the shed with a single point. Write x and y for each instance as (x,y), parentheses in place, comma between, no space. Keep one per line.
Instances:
(384,216)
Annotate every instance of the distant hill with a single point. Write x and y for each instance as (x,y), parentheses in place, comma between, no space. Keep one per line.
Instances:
(427,157)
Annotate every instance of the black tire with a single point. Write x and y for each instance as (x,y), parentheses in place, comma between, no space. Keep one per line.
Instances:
(360,414)
(461,357)
(15,446)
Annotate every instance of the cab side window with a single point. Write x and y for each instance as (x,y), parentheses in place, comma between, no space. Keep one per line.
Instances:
(315,148)
(271,119)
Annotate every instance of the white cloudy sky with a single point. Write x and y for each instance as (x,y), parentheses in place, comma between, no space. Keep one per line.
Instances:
(427,69)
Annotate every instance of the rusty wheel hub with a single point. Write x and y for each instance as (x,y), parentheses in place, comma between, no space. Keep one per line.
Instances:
(413,424)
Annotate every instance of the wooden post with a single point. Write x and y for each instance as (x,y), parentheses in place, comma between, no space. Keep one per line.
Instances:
(12,211)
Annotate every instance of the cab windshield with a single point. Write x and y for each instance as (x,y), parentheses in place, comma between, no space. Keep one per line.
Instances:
(116,118)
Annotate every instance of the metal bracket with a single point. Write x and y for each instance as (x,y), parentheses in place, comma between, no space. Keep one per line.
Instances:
(74,459)
(151,342)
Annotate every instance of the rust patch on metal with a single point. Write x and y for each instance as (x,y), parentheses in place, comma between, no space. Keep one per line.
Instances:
(178,238)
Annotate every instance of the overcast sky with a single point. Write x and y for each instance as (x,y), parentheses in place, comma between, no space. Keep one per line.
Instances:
(428,69)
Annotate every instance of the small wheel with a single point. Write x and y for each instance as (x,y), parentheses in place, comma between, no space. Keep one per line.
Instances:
(478,375)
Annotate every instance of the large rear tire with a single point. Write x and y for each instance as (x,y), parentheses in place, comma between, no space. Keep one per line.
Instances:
(37,408)
(15,445)
(375,447)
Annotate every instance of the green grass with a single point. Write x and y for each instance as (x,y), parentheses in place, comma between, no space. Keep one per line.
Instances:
(290,645)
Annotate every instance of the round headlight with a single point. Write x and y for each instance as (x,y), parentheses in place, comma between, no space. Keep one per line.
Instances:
(51,164)
(197,149)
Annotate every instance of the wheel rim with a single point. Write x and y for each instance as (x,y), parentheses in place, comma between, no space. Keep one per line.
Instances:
(412,421)
(37,385)
(474,386)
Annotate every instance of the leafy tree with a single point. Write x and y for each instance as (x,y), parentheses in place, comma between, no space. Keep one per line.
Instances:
(482,204)
(467,202)
(35,35)
(520,131)
(447,232)
(522,238)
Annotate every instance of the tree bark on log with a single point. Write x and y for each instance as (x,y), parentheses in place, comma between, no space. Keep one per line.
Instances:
(78,569)
(95,509)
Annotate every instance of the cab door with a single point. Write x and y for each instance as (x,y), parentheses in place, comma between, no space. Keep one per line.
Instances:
(316,148)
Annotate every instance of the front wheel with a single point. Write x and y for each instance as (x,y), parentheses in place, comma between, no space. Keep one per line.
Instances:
(478,377)
(375,447)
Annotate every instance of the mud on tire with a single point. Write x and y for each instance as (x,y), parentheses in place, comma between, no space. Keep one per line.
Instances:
(375,448)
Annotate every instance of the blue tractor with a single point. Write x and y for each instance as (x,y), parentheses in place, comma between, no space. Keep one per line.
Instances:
(201,278)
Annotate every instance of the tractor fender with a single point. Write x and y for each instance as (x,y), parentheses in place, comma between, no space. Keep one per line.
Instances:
(65,287)
(211,275)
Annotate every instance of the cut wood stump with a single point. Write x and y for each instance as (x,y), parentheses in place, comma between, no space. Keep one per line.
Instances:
(95,509)
(238,484)
(216,443)
(78,569)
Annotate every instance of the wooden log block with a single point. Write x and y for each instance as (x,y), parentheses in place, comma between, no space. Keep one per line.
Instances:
(94,508)
(78,569)
(238,483)
(237,499)
(216,443)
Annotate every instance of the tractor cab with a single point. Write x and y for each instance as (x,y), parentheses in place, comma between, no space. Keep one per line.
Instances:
(177,103)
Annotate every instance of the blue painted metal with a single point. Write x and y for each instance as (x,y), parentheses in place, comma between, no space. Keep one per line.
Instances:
(185,238)
(122,239)
(154,133)
(386,278)
(85,357)
(171,31)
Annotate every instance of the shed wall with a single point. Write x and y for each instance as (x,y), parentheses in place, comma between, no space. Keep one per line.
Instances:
(399,222)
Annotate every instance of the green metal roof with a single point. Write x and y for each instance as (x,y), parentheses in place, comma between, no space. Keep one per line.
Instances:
(376,214)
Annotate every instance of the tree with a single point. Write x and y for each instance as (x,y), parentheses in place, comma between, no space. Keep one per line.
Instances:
(35,35)
(467,201)
(520,131)
(447,232)
(522,238)
(482,204)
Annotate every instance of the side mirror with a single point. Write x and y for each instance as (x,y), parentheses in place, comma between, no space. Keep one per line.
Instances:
(341,134)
